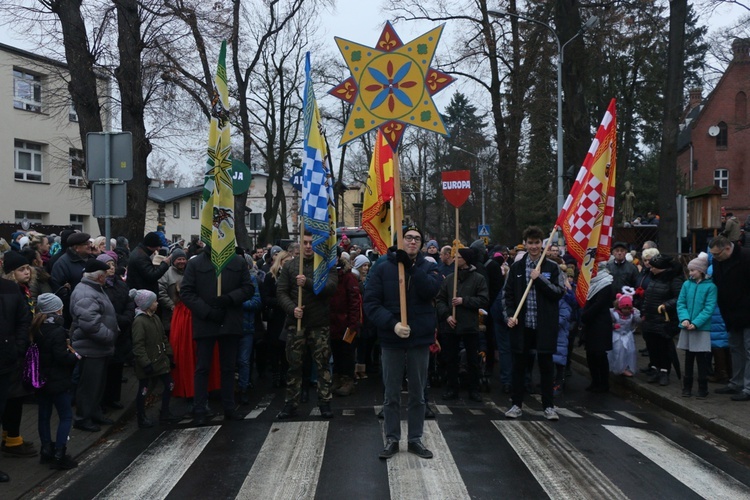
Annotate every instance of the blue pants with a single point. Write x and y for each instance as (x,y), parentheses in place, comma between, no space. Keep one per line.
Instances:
(244,355)
(63,403)
(415,360)
(502,336)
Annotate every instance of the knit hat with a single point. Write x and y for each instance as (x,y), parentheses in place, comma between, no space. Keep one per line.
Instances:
(432,243)
(143,298)
(64,235)
(48,303)
(105,258)
(112,254)
(360,260)
(94,265)
(178,253)
(151,240)
(13,260)
(624,301)
(275,249)
(700,263)
(661,261)
(413,227)
(468,254)
(78,239)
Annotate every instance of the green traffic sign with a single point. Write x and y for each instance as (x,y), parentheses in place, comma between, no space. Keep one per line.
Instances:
(241,177)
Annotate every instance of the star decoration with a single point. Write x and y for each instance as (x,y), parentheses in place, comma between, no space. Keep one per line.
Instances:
(391,86)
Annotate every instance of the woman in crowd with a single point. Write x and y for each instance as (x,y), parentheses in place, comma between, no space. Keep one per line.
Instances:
(346,312)
(367,333)
(275,317)
(597,328)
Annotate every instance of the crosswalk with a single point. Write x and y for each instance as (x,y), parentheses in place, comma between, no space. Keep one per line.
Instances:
(297,459)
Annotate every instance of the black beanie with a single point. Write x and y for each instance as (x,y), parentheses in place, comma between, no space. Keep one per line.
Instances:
(13,260)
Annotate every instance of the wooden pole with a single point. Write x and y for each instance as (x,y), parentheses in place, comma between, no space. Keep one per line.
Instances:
(301,265)
(538,266)
(455,265)
(398,217)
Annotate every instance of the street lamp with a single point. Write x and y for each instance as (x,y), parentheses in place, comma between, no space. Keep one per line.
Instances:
(481,174)
(590,22)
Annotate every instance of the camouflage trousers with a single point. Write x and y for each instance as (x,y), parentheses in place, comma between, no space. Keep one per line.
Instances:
(318,341)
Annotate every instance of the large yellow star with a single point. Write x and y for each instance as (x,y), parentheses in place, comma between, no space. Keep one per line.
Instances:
(392,85)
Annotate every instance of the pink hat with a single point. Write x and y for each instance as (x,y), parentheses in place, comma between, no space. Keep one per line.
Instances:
(624,301)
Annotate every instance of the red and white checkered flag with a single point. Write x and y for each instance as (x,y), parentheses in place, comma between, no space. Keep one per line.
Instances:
(587,217)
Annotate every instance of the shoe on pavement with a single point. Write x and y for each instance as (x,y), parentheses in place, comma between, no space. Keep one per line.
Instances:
(166,418)
(726,390)
(4,478)
(325,410)
(22,450)
(551,414)
(103,420)
(244,397)
(663,378)
(476,397)
(450,395)
(391,448)
(428,413)
(288,411)
(86,425)
(514,412)
(742,396)
(654,377)
(702,394)
(686,393)
(417,448)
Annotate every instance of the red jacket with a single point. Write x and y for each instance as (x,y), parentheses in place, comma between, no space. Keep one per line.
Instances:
(346,305)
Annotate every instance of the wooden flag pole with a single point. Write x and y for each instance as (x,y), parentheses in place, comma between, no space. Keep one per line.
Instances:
(538,266)
(301,265)
(398,217)
(455,265)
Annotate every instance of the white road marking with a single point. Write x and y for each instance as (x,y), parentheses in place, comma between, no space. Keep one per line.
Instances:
(437,478)
(476,412)
(288,463)
(315,412)
(348,413)
(602,416)
(567,413)
(559,468)
(631,417)
(443,410)
(155,472)
(700,476)
(261,407)
(377,409)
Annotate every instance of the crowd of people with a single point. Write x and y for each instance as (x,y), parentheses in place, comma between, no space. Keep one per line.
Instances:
(74,314)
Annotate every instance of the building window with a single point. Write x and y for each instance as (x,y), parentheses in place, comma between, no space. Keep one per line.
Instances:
(28,161)
(176,210)
(76,169)
(194,208)
(722,140)
(27,91)
(358,215)
(77,221)
(740,108)
(32,217)
(176,238)
(721,179)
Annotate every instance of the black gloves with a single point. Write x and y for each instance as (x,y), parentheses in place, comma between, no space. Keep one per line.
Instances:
(216,315)
(403,257)
(149,369)
(222,301)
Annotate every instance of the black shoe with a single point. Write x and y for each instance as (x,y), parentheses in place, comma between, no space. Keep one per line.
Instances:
(47,453)
(391,448)
(686,393)
(654,377)
(288,411)
(63,461)
(726,390)
(115,405)
(428,413)
(86,425)
(663,378)
(103,420)
(325,410)
(199,419)
(476,397)
(233,415)
(419,450)
(702,394)
(23,450)
(166,418)
(245,397)
(450,395)
(145,422)
(4,478)
(742,396)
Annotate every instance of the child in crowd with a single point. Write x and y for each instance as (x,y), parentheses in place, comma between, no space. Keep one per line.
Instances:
(695,306)
(625,319)
(56,363)
(153,357)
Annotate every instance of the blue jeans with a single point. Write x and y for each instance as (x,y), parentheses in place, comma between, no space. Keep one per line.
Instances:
(502,335)
(63,402)
(739,344)
(415,360)
(244,355)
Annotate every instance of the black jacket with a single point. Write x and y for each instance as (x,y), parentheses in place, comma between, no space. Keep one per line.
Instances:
(732,280)
(472,288)
(56,363)
(663,288)
(624,274)
(597,322)
(15,319)
(274,313)
(119,295)
(142,273)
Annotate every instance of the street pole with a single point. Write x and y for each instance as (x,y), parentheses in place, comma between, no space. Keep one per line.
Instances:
(481,175)
(560,52)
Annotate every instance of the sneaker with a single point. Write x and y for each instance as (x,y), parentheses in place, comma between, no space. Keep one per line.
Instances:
(551,414)
(417,448)
(391,448)
(663,378)
(514,412)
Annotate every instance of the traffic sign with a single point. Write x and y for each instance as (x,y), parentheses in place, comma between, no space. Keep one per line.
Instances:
(118,201)
(119,146)
(296,180)
(484,230)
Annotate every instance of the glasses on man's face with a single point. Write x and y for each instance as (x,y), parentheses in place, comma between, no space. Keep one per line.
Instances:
(716,254)
(409,237)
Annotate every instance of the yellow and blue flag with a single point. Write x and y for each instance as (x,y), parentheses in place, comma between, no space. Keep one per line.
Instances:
(217,215)
(318,207)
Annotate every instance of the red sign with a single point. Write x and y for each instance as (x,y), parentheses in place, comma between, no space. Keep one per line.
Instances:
(457,186)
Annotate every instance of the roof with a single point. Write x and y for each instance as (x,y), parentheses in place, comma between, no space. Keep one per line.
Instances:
(166,195)
(686,129)
(705,191)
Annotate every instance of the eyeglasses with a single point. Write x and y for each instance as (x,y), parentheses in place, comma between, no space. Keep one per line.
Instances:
(409,237)
(716,254)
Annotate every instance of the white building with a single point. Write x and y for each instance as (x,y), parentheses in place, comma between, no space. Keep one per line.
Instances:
(40,144)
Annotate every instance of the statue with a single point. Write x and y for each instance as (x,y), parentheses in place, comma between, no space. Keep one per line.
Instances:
(627,196)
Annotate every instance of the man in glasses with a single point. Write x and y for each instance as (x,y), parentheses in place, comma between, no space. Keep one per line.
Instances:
(405,345)
(731,275)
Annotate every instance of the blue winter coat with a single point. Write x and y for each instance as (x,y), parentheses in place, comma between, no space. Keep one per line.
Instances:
(561,356)
(697,302)
(250,308)
(719,334)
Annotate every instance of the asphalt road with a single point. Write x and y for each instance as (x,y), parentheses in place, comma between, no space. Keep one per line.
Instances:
(603,446)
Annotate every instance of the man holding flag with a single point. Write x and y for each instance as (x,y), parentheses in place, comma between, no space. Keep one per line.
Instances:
(217,281)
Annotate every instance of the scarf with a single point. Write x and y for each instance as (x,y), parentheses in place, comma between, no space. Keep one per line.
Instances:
(598,282)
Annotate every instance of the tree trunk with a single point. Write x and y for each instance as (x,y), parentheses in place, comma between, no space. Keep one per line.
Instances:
(672,111)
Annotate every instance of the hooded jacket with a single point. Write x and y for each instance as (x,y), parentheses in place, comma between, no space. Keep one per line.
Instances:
(472,288)
(732,279)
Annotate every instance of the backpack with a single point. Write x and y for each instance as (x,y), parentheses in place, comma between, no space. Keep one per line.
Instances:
(31,375)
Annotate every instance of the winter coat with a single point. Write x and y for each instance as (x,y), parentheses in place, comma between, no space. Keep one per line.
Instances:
(94,320)
(40,282)
(382,303)
(119,295)
(68,269)
(664,288)
(696,303)
(169,294)
(596,321)
(473,289)
(550,288)
(56,362)
(560,357)
(644,277)
(251,308)
(199,289)
(274,313)
(346,305)
(150,346)
(317,306)
(623,274)
(732,280)
(732,229)
(142,273)
(15,319)
(719,334)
